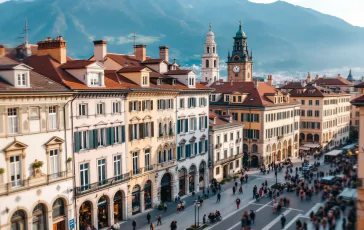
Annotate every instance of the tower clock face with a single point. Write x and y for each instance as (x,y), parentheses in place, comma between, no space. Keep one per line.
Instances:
(236,69)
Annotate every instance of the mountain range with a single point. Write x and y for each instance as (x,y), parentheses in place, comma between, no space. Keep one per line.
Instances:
(283,37)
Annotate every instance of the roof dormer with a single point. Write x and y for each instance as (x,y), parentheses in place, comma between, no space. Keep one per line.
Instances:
(139,75)
(186,77)
(16,74)
(91,73)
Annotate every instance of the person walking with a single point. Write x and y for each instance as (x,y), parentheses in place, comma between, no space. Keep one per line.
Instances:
(148,218)
(246,178)
(241,179)
(252,216)
(241,189)
(159,218)
(234,189)
(151,226)
(283,221)
(134,224)
(165,207)
(237,201)
(208,193)
(218,197)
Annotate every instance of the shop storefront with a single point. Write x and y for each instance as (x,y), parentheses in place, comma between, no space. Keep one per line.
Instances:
(102,212)
(39,217)
(191,179)
(202,175)
(118,206)
(148,195)
(18,221)
(85,215)
(182,182)
(136,200)
(166,192)
(58,214)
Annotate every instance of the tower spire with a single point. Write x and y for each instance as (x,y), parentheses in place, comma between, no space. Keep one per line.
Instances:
(210,26)
(240,25)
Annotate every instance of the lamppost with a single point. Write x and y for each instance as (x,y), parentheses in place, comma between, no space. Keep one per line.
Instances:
(197,204)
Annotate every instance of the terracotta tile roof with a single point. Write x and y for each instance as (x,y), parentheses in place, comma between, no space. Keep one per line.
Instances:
(358,101)
(124,60)
(333,81)
(178,72)
(131,69)
(153,61)
(7,66)
(292,85)
(220,120)
(38,83)
(76,64)
(360,85)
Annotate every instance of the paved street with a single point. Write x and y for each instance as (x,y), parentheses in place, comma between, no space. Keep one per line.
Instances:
(265,218)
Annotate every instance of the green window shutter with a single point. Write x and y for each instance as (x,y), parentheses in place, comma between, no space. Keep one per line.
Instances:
(178,152)
(206,146)
(186,126)
(178,126)
(195,123)
(91,139)
(196,148)
(141,131)
(123,133)
(199,123)
(108,136)
(112,135)
(188,151)
(130,132)
(152,128)
(96,142)
(189,102)
(77,141)
(200,147)
(257,117)
(206,122)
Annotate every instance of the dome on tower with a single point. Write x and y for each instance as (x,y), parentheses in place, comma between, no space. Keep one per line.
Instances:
(210,33)
(240,32)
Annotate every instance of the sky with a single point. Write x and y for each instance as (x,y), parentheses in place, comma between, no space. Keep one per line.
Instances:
(348,10)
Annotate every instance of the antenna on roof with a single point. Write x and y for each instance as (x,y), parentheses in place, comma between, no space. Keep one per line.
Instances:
(134,37)
(25,32)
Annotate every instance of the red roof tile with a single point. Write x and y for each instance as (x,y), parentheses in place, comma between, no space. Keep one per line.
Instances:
(358,101)
(153,61)
(124,60)
(131,69)
(178,72)
(333,81)
(76,64)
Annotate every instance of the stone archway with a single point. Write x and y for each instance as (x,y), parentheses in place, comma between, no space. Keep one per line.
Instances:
(166,188)
(86,214)
(182,175)
(290,148)
(103,212)
(192,178)
(254,161)
(119,205)
(202,174)
(279,157)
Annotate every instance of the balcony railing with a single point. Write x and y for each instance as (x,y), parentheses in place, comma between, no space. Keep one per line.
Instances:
(16,186)
(229,159)
(167,164)
(86,189)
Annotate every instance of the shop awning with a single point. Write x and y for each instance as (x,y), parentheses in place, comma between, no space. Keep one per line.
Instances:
(348,147)
(334,153)
(312,146)
(349,194)
(304,148)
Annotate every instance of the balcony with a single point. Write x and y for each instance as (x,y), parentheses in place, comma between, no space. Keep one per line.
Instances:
(229,159)
(165,165)
(238,140)
(218,145)
(33,182)
(83,190)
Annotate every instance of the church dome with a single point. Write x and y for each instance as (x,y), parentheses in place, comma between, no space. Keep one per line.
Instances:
(210,33)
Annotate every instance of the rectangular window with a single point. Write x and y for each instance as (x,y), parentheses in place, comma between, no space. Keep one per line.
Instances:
(218,140)
(52,118)
(101,137)
(135,131)
(54,163)
(303,102)
(182,103)
(309,113)
(302,113)
(22,80)
(134,105)
(317,102)
(231,152)
(135,163)
(147,158)
(231,136)
(101,169)
(193,149)
(237,164)
(193,123)
(15,171)
(82,109)
(100,109)
(84,176)
(183,151)
(13,120)
(145,80)
(117,167)
(147,129)
(225,154)
(94,79)
(317,113)
(117,134)
(309,102)
(83,139)
(116,107)
(225,138)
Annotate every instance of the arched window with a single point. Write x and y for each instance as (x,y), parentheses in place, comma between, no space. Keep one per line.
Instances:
(39,217)
(316,137)
(309,137)
(165,155)
(160,157)
(58,208)
(245,148)
(160,129)
(170,128)
(254,148)
(170,154)
(213,49)
(18,221)
(302,136)
(214,63)
(207,64)
(208,50)
(165,129)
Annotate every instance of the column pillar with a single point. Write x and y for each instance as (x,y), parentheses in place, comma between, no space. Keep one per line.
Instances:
(142,205)
(94,215)
(110,209)
(197,180)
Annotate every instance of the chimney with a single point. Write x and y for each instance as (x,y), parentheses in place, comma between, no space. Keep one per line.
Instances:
(338,75)
(309,79)
(163,53)
(2,50)
(56,48)
(140,52)
(317,77)
(100,50)
(256,83)
(270,80)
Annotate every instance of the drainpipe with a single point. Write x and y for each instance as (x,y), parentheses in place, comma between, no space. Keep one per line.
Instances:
(73,153)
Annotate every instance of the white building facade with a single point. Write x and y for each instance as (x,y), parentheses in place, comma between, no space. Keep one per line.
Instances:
(210,60)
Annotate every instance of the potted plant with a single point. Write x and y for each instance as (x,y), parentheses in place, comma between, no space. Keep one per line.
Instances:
(2,170)
(69,159)
(37,164)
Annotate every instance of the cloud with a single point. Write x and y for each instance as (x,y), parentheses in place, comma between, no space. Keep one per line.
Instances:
(190,6)
(139,39)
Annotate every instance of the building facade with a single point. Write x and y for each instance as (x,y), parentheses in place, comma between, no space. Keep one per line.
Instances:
(325,113)
(210,72)
(36,185)
(226,146)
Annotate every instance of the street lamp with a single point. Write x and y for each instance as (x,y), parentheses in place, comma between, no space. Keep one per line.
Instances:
(197,204)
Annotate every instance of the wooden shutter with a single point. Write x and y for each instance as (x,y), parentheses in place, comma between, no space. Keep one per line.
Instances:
(108,136)
(130,132)
(139,106)
(141,131)
(178,126)
(96,140)
(178,152)
(77,143)
(143,105)
(152,129)
(206,122)
(196,149)
(186,125)
(130,105)
(91,139)
(123,133)
(206,146)
(200,123)
(189,102)
(188,151)
(172,102)
(195,123)
(151,104)
(112,135)
(200,147)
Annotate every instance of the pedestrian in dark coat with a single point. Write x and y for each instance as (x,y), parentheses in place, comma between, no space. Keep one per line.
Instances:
(283,221)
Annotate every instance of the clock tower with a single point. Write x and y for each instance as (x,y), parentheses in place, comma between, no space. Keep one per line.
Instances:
(240,63)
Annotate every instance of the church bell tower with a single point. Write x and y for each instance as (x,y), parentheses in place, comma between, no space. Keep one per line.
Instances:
(210,60)
(240,63)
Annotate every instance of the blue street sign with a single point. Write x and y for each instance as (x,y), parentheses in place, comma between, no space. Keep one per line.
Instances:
(72,223)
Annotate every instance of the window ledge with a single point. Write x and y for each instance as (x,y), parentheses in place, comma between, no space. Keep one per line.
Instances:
(182,134)
(182,159)
(117,113)
(191,132)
